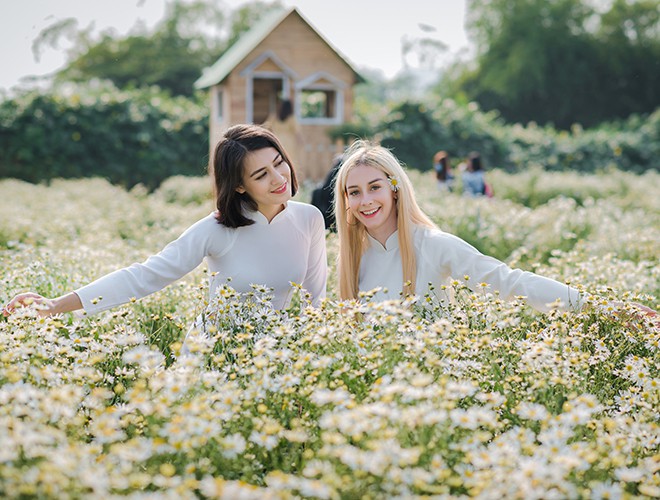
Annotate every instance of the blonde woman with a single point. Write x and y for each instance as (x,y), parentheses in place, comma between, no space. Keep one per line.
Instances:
(385,240)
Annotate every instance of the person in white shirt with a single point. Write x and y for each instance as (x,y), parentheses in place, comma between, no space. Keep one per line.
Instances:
(387,242)
(256,236)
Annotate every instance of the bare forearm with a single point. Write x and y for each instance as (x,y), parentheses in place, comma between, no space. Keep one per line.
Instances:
(65,303)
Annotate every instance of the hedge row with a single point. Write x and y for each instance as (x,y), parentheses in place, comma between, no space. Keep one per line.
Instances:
(415,131)
(127,137)
(143,137)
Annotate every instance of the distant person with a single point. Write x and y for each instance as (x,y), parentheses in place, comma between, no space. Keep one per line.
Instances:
(285,126)
(443,173)
(323,195)
(474,183)
(256,235)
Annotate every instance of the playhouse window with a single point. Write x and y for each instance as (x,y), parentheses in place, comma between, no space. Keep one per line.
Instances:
(318,103)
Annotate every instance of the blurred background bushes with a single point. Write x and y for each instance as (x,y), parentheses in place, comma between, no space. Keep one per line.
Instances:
(417,130)
(144,136)
(129,137)
(558,85)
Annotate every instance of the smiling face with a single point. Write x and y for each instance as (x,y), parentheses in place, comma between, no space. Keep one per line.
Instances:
(371,201)
(267,180)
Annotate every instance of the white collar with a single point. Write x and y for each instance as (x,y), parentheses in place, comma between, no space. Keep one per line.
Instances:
(260,219)
(391,244)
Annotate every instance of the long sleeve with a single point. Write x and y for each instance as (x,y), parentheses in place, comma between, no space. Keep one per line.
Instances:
(458,259)
(141,279)
(291,248)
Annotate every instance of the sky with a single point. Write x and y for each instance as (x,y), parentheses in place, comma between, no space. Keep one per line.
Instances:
(367,32)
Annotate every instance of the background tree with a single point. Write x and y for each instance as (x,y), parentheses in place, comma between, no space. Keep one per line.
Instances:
(562,61)
(629,42)
(190,37)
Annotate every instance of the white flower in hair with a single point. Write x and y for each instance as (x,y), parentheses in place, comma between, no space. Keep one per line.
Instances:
(394,183)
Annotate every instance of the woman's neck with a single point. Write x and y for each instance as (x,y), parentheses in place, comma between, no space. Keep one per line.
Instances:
(271,211)
(381,235)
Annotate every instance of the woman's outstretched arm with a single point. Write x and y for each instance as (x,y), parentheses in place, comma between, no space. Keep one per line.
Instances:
(44,306)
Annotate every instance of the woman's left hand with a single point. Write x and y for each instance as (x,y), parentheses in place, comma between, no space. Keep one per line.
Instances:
(645,312)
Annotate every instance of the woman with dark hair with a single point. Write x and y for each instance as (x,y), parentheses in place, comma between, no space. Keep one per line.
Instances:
(443,173)
(474,183)
(257,235)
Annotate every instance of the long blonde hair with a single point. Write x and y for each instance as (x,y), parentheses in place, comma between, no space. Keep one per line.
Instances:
(353,235)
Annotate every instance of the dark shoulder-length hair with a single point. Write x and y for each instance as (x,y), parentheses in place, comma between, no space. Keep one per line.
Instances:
(442,158)
(226,169)
(475,161)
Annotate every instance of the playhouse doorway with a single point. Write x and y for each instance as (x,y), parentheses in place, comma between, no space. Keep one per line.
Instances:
(267,96)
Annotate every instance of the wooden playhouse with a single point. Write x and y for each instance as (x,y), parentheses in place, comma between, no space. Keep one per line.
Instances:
(284,57)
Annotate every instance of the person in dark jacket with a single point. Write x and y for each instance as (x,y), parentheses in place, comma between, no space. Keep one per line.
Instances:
(323,195)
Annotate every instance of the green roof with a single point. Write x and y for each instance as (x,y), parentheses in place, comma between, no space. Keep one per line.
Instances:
(246,44)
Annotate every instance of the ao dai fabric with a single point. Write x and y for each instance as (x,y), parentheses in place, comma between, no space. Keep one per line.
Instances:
(441,256)
(291,248)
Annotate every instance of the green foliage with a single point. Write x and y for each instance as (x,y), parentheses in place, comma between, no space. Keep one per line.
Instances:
(562,62)
(467,128)
(349,130)
(247,15)
(632,145)
(127,137)
(165,60)
(416,130)
(191,36)
(143,136)
(411,133)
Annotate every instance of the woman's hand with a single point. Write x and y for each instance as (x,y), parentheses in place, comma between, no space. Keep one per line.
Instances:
(647,312)
(638,311)
(44,306)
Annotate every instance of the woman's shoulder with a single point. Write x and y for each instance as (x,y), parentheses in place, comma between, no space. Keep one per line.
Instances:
(435,239)
(208,227)
(216,238)
(425,232)
(306,218)
(304,210)
(210,220)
